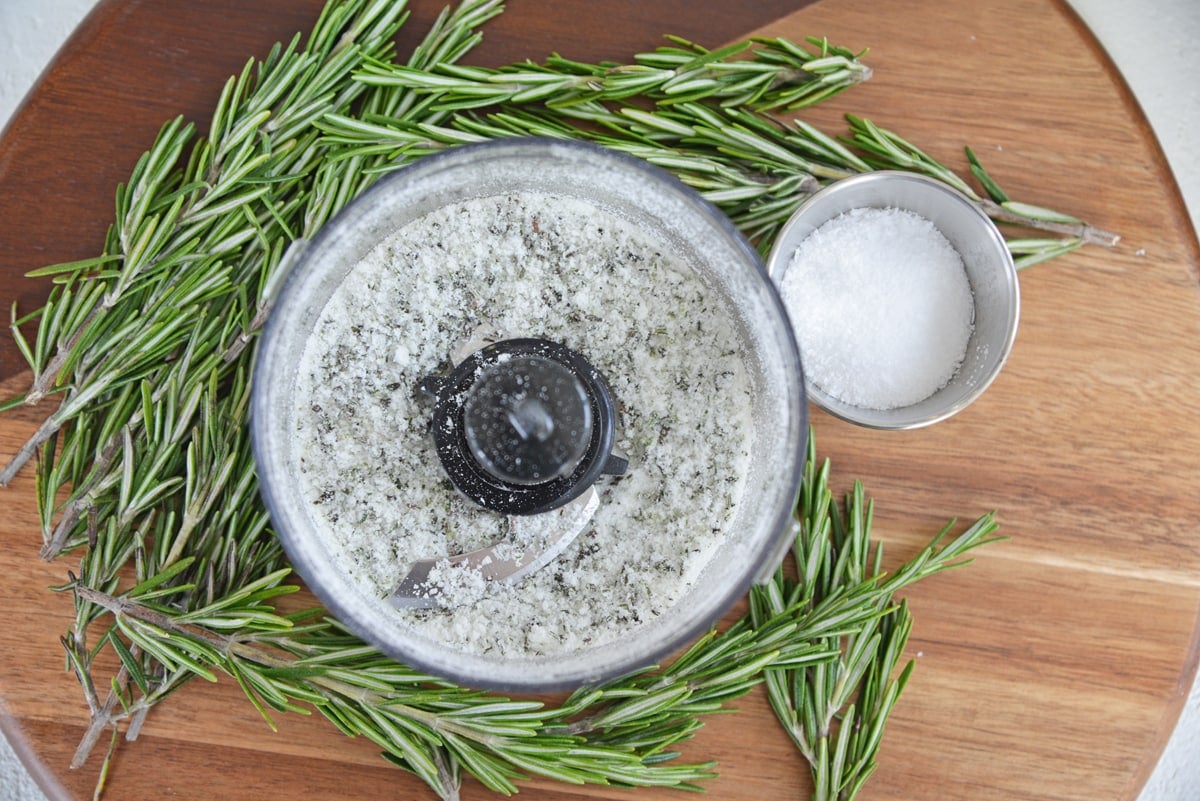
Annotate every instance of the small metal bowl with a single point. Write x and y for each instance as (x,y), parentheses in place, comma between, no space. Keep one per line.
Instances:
(990,272)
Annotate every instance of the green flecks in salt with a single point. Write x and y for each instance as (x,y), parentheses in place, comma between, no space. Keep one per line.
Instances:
(526,265)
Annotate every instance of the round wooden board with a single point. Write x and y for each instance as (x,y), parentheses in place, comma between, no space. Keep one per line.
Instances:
(1052,668)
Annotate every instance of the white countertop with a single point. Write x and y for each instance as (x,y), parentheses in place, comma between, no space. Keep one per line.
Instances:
(1153,43)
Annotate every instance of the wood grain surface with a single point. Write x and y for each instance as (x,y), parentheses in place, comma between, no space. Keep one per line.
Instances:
(1052,668)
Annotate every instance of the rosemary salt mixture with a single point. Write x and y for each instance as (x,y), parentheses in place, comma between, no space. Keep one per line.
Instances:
(525,264)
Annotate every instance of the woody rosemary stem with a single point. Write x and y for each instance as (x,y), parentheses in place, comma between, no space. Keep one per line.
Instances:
(1086,234)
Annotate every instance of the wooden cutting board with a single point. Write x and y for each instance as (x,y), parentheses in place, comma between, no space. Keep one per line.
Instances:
(1053,668)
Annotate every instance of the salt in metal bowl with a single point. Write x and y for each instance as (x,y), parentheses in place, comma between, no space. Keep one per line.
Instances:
(990,272)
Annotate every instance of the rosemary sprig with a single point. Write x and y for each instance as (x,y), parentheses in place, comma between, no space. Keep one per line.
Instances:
(756,167)
(782,74)
(887,150)
(835,711)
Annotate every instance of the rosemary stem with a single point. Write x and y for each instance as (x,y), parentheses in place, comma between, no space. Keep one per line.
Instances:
(1087,233)
(82,500)
(448,783)
(44,381)
(40,437)
(101,719)
(101,714)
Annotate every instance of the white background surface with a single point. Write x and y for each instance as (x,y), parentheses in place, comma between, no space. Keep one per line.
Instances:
(1156,45)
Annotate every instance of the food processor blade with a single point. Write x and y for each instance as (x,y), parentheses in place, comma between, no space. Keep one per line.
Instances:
(553,531)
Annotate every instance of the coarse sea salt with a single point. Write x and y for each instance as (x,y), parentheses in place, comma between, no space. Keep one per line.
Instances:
(526,264)
(881,305)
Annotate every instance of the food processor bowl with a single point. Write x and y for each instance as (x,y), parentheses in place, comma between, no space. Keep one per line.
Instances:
(653,201)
